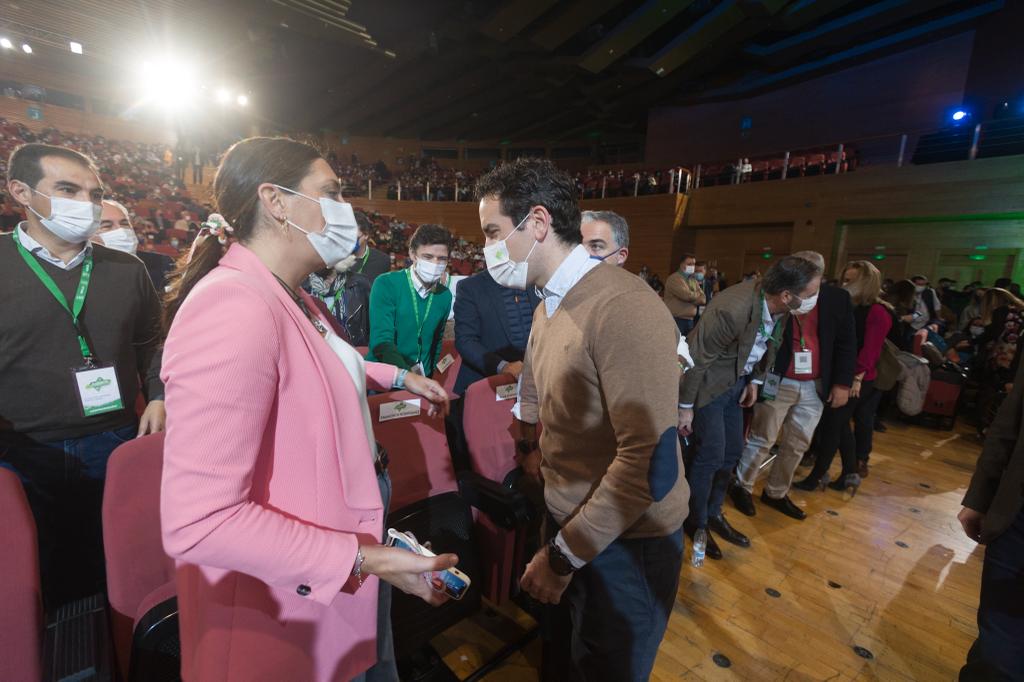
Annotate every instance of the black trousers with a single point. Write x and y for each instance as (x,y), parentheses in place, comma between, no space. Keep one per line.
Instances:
(835,433)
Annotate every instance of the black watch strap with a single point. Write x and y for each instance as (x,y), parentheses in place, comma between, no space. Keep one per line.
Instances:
(525,447)
(559,563)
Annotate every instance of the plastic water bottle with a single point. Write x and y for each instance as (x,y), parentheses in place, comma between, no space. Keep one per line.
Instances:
(700,545)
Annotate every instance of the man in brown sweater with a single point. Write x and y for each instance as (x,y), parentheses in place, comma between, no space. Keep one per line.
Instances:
(79,336)
(684,294)
(602,358)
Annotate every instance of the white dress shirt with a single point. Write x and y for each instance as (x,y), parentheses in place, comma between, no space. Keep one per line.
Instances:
(42,253)
(761,340)
(566,276)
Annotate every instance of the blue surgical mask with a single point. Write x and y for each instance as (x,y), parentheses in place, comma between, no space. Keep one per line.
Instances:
(699,276)
(604,257)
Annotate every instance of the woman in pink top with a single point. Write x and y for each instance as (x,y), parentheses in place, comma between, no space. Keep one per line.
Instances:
(271,499)
(873,319)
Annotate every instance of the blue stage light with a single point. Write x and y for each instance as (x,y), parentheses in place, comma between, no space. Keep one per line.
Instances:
(959,115)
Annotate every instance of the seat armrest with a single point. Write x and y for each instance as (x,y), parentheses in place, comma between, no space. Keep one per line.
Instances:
(504,505)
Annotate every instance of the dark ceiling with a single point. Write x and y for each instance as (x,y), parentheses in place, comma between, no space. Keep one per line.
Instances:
(478,69)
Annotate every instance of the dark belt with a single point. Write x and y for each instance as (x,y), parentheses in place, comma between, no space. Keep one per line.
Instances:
(381,463)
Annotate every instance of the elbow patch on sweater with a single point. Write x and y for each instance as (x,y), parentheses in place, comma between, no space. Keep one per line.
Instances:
(664,469)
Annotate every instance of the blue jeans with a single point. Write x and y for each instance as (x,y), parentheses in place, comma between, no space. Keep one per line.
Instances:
(619,606)
(64,484)
(684,325)
(718,430)
(998,653)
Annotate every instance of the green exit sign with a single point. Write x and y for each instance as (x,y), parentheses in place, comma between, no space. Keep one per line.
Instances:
(977,256)
(879,256)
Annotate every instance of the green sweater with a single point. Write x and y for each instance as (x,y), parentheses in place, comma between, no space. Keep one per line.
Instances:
(395,333)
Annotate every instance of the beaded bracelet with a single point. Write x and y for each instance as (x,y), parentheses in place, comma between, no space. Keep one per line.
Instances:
(357,570)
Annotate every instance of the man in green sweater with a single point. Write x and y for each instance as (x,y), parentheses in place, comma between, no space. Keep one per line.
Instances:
(614,487)
(409,308)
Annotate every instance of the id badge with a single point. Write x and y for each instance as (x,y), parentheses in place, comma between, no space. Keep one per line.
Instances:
(770,389)
(802,362)
(417,369)
(98,390)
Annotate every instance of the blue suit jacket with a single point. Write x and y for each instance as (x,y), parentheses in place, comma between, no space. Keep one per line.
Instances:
(482,329)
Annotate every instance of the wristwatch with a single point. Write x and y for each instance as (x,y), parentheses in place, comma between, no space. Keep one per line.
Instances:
(525,447)
(559,563)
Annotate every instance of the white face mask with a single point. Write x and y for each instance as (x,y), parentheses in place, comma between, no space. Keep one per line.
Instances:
(919,288)
(121,239)
(429,272)
(340,236)
(977,331)
(689,269)
(72,220)
(806,305)
(503,269)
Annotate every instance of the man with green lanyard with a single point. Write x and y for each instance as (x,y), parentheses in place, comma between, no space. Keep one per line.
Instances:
(79,336)
(732,345)
(409,308)
(370,262)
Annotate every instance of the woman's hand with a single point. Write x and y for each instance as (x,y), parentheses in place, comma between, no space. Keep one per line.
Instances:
(406,570)
(431,390)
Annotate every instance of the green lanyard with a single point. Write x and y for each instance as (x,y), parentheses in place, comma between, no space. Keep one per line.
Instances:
(366,257)
(83,289)
(776,334)
(800,328)
(419,321)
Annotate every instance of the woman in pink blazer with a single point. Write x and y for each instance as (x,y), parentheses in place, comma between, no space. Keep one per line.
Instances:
(271,501)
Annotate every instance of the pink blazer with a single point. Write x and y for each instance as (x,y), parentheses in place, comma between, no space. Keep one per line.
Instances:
(267,482)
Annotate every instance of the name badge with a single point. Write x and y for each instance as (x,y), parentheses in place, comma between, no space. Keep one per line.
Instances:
(505,392)
(770,389)
(399,409)
(98,390)
(445,362)
(802,362)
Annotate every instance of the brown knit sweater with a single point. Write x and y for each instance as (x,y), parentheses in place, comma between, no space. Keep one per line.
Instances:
(39,350)
(606,376)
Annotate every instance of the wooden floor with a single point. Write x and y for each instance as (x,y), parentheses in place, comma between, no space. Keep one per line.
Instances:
(889,570)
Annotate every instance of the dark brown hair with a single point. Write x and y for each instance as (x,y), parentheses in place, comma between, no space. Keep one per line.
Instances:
(246,165)
(428,235)
(25,162)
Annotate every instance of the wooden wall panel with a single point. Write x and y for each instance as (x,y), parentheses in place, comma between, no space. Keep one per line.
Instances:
(82,122)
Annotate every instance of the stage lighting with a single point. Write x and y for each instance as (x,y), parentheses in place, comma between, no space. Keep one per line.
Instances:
(6,44)
(76,47)
(169,81)
(223,96)
(26,48)
(959,115)
(243,101)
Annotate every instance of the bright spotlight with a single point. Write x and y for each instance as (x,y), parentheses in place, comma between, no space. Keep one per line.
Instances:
(169,81)
(959,115)
(76,47)
(243,101)
(223,96)
(26,48)
(6,43)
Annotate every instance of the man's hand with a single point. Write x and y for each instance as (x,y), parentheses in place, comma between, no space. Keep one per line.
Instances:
(971,521)
(540,582)
(838,396)
(154,419)
(749,396)
(685,421)
(513,369)
(530,464)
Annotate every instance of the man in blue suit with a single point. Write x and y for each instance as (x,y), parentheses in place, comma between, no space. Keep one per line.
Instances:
(492,326)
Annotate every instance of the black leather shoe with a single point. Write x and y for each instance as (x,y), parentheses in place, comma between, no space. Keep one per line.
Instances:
(784,505)
(743,500)
(720,526)
(712,550)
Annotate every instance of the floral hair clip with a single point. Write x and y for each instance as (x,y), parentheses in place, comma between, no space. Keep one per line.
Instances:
(217,226)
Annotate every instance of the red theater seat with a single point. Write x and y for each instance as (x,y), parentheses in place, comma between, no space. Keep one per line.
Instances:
(140,575)
(450,374)
(21,613)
